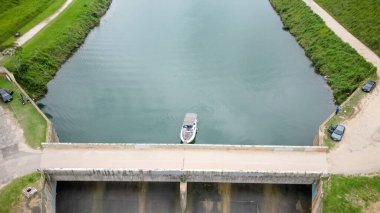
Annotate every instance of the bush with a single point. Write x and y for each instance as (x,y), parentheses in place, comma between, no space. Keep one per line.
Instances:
(37,62)
(343,67)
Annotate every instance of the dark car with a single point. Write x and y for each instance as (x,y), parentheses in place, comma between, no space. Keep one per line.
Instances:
(337,132)
(5,96)
(369,86)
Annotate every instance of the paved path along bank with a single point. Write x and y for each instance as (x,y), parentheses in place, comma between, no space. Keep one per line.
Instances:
(359,150)
(32,32)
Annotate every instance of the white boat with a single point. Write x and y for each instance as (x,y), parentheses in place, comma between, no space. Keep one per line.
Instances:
(189,128)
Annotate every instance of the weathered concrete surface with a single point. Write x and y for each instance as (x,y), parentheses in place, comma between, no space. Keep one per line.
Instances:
(200,163)
(16,158)
(10,135)
(158,175)
(48,198)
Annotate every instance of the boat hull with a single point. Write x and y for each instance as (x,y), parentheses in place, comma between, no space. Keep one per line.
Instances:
(188,139)
(189,128)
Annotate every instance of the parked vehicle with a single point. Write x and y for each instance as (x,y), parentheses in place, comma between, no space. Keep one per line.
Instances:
(337,132)
(5,96)
(369,86)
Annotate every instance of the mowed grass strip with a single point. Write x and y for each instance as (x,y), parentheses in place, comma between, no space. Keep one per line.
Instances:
(344,68)
(10,195)
(360,17)
(33,124)
(22,15)
(350,194)
(40,58)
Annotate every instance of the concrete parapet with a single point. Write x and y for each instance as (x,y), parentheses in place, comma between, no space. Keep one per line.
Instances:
(183,147)
(58,174)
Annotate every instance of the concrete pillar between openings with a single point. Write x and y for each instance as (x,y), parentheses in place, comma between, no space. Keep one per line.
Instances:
(183,195)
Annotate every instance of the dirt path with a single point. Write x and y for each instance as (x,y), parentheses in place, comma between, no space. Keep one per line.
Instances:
(359,150)
(32,32)
(16,158)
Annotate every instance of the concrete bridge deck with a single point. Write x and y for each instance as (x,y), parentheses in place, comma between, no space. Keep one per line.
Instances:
(199,163)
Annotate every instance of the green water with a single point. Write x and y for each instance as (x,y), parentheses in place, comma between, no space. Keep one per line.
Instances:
(149,62)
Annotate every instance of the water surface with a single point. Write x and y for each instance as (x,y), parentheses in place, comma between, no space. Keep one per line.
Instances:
(149,62)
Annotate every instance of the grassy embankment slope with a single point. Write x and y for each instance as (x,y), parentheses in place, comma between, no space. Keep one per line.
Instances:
(354,194)
(11,194)
(32,123)
(40,58)
(344,68)
(350,194)
(360,17)
(22,15)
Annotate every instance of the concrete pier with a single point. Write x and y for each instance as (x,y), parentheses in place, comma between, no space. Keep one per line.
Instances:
(183,195)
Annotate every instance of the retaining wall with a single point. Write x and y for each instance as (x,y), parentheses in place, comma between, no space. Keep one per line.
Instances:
(317,199)
(48,198)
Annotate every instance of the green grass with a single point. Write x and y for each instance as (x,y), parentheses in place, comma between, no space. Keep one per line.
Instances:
(10,195)
(343,67)
(350,194)
(360,17)
(33,124)
(40,58)
(22,15)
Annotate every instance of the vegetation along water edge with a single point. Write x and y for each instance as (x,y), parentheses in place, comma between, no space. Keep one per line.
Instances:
(21,15)
(361,18)
(36,63)
(344,69)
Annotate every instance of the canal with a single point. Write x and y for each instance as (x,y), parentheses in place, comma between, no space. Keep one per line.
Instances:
(150,62)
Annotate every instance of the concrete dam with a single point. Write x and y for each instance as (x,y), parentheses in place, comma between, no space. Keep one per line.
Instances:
(185,166)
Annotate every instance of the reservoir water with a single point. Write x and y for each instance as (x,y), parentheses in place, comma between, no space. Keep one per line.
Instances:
(149,62)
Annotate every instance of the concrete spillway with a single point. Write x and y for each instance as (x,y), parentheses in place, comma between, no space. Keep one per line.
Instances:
(182,164)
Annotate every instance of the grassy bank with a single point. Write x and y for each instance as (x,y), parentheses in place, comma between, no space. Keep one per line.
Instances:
(39,59)
(343,67)
(33,124)
(11,194)
(22,15)
(350,194)
(360,17)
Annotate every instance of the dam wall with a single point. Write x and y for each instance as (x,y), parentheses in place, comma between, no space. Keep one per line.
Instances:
(138,175)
